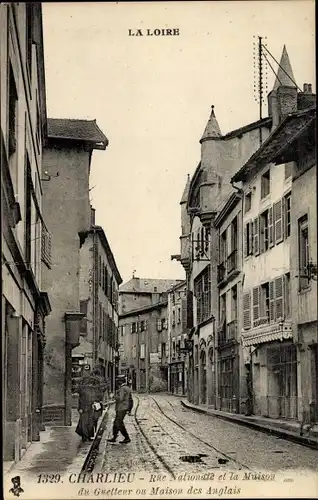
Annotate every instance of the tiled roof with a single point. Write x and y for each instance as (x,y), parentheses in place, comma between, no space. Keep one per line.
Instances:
(289,129)
(148,285)
(77,130)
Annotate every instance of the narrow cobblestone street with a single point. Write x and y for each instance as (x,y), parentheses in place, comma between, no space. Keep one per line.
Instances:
(164,436)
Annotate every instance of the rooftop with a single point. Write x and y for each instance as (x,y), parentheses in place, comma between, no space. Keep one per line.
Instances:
(77,130)
(148,285)
(287,131)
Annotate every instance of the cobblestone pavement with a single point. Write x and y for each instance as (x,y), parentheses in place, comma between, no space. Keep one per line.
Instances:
(165,435)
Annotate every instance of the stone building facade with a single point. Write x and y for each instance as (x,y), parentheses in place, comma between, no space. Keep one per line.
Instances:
(279,309)
(25,239)
(202,201)
(177,332)
(66,168)
(99,283)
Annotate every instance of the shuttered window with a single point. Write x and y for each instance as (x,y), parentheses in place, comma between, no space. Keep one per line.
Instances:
(271,235)
(256,236)
(256,305)
(271,301)
(278,221)
(279,298)
(247,310)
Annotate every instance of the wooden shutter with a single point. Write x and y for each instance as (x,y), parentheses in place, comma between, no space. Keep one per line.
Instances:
(251,246)
(256,305)
(256,236)
(271,236)
(278,221)
(261,234)
(271,301)
(247,310)
(279,298)
(245,241)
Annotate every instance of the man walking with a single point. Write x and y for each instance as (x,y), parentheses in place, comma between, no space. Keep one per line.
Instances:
(124,404)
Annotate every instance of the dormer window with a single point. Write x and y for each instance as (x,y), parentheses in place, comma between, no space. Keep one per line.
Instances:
(265,184)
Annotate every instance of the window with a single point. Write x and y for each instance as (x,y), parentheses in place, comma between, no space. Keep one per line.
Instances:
(154,288)
(163,349)
(159,325)
(232,258)
(303,252)
(264,232)
(288,170)
(278,221)
(202,287)
(264,303)
(179,314)
(248,239)
(234,303)
(174,349)
(13,109)
(223,248)
(99,270)
(133,328)
(265,184)
(173,317)
(163,323)
(287,206)
(142,351)
(142,326)
(247,202)
(287,295)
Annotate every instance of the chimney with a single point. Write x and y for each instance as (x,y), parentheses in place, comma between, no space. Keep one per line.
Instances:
(306,99)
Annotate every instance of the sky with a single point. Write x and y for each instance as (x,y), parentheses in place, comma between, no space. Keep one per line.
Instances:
(152,97)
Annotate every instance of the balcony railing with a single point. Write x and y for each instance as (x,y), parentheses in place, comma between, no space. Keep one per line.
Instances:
(225,268)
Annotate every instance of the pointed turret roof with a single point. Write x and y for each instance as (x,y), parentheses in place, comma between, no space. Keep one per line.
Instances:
(212,128)
(184,198)
(285,76)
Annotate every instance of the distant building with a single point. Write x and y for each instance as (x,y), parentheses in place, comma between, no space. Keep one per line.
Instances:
(177,330)
(143,332)
(99,282)
(66,167)
(25,302)
(280,237)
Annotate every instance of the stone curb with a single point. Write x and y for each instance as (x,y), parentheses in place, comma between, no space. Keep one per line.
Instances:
(291,436)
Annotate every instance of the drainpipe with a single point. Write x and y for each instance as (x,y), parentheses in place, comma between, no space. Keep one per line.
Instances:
(241,365)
